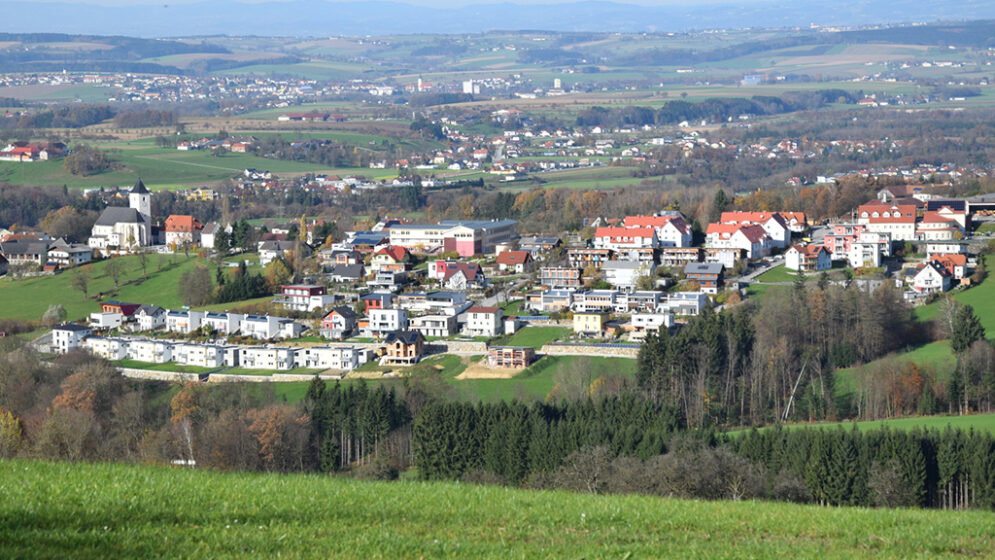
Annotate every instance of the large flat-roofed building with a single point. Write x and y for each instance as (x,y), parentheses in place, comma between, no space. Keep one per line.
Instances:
(465,237)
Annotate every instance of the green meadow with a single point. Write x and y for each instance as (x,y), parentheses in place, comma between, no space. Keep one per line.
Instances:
(60,510)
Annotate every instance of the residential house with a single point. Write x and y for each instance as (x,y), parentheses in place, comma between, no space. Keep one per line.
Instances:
(346,273)
(551,301)
(935,226)
(752,239)
(538,247)
(68,255)
(956,265)
(390,259)
(773,224)
(183,322)
(707,275)
(382,321)
(226,324)
(484,321)
(270,250)
(685,304)
(931,277)
(590,323)
(807,258)
(403,348)
(126,310)
(68,337)
(274,358)
(378,300)
(105,320)
(596,300)
(150,317)
(582,257)
(463,276)
(150,351)
(671,231)
(199,355)
(898,220)
(435,325)
(679,256)
(646,323)
(182,230)
(635,243)
(625,275)
(25,252)
(339,322)
(266,327)
(512,357)
(516,261)
(331,357)
(303,297)
(557,277)
(209,233)
(110,348)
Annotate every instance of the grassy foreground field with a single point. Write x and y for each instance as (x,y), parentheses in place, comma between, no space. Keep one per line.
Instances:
(53,510)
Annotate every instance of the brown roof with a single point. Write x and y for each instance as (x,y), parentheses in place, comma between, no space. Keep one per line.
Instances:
(483,309)
(513,257)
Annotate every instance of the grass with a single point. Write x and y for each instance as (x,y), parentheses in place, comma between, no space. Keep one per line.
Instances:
(536,337)
(29,298)
(135,364)
(777,274)
(981,422)
(56,510)
(264,372)
(550,376)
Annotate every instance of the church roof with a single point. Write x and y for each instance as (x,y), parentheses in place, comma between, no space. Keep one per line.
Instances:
(119,214)
(139,188)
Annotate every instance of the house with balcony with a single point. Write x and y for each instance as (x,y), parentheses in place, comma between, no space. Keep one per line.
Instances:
(484,321)
(340,322)
(590,323)
(403,348)
(560,277)
(512,357)
(709,276)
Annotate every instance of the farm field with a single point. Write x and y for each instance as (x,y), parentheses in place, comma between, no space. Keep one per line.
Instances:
(51,510)
(30,297)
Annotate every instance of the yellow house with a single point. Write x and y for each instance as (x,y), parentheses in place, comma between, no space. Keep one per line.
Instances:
(590,322)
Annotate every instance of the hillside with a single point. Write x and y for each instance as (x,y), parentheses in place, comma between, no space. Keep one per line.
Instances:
(50,510)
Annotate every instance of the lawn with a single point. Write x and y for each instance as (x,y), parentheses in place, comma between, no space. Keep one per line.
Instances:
(264,372)
(30,297)
(58,510)
(135,364)
(536,337)
(777,274)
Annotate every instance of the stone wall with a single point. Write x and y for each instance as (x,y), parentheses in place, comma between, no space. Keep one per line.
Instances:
(156,375)
(457,347)
(590,350)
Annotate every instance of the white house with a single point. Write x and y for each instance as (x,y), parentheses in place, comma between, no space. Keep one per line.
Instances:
(152,351)
(200,355)
(106,320)
(224,323)
(383,321)
(773,224)
(484,321)
(645,323)
(68,337)
(183,322)
(671,231)
(274,358)
(110,348)
(751,238)
(899,220)
(434,325)
(150,317)
(331,357)
(624,274)
(807,258)
(931,278)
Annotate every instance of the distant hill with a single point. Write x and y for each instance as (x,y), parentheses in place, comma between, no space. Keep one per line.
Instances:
(321,17)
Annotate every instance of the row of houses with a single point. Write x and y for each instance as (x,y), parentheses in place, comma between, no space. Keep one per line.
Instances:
(136,317)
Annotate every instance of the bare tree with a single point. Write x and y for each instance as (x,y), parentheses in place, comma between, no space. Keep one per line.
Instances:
(81,280)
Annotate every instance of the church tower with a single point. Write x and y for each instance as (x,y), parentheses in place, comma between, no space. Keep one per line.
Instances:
(141,199)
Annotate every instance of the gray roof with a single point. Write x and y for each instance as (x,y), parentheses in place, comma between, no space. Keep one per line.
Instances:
(139,188)
(119,214)
(405,337)
(703,268)
(24,247)
(623,265)
(345,311)
(348,271)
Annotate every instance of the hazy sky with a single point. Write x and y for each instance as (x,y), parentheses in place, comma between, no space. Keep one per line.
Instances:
(433,3)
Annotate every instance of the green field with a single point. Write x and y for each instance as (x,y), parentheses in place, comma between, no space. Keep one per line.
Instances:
(777,274)
(59,510)
(30,297)
(536,337)
(551,375)
(135,364)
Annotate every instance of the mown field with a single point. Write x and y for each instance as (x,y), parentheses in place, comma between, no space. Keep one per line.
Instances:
(30,297)
(58,510)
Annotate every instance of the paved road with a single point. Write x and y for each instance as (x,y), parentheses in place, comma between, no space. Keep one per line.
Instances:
(749,277)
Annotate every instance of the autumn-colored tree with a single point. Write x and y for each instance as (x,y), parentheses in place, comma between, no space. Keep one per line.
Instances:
(277,273)
(10,434)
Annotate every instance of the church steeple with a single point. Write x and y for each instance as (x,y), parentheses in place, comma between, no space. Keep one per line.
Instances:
(139,188)
(141,199)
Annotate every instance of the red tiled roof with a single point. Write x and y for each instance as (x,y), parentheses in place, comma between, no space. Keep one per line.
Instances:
(897,213)
(624,232)
(513,257)
(754,233)
(181,223)
(483,309)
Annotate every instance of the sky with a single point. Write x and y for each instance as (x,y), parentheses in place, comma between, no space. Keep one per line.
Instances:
(432,3)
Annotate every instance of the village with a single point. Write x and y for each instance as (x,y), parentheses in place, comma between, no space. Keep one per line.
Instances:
(401,291)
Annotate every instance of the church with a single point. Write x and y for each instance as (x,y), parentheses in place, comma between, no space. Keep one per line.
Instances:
(122,230)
